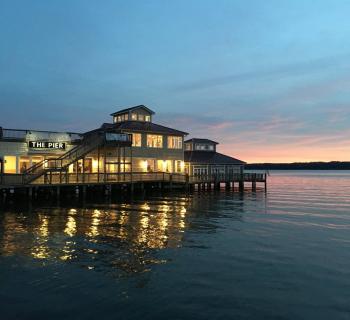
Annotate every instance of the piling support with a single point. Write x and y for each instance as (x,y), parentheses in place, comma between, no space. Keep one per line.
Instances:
(30,193)
(58,191)
(254,185)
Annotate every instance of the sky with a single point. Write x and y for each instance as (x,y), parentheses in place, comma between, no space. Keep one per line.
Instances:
(268,80)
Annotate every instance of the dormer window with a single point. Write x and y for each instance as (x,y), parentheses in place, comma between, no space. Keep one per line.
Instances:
(205,147)
(196,144)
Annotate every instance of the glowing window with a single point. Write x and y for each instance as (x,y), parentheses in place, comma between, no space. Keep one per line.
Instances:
(10,164)
(154,141)
(133,116)
(136,139)
(148,118)
(174,142)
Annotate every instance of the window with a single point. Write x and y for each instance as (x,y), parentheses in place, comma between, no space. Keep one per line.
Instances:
(179,166)
(133,116)
(141,117)
(188,146)
(204,147)
(164,166)
(148,118)
(136,139)
(154,141)
(36,159)
(10,164)
(174,142)
(114,119)
(24,164)
(126,117)
(119,119)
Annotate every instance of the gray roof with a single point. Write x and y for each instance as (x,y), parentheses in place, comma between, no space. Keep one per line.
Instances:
(142,126)
(197,140)
(210,157)
(133,108)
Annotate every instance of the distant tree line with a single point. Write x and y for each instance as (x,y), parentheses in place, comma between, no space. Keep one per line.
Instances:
(333,165)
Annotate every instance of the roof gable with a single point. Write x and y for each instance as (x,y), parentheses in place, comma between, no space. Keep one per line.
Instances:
(141,106)
(198,140)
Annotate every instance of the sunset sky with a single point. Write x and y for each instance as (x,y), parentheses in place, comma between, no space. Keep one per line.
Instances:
(269,80)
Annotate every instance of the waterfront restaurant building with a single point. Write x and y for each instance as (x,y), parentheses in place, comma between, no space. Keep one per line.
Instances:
(130,143)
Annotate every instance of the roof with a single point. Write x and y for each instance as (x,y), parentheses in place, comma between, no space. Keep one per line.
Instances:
(197,140)
(142,126)
(210,157)
(133,108)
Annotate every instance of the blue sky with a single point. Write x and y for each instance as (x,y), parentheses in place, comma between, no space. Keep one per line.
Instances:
(268,79)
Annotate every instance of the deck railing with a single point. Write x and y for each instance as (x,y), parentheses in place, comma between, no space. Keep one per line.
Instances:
(61,178)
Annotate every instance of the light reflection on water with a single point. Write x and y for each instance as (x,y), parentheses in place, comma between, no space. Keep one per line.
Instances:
(284,254)
(81,234)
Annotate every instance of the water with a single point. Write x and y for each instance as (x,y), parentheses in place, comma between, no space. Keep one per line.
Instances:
(217,255)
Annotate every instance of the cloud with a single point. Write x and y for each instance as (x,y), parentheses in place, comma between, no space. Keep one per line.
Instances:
(292,69)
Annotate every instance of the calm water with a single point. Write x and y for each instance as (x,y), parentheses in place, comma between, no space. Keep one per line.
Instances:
(218,255)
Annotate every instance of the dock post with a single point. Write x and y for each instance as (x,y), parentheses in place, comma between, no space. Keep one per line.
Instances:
(171,182)
(254,185)
(241,186)
(84,190)
(30,193)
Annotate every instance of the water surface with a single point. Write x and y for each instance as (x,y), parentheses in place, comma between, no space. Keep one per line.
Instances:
(284,254)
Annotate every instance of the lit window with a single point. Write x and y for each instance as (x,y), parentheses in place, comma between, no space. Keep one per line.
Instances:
(10,164)
(174,142)
(187,146)
(24,164)
(154,141)
(136,139)
(114,119)
(141,117)
(179,166)
(36,159)
(133,116)
(126,117)
(119,119)
(164,166)
(148,118)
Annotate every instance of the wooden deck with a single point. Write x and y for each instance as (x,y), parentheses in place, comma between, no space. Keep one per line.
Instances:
(64,179)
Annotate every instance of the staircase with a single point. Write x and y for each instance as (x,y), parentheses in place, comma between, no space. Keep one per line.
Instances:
(61,163)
